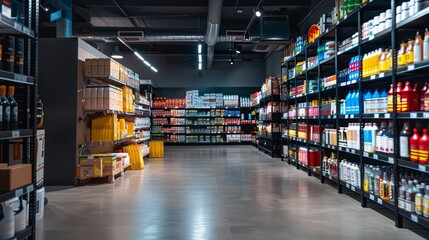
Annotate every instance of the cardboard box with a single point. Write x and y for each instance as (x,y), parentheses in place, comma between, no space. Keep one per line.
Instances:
(2,165)
(40,176)
(94,67)
(96,163)
(100,67)
(88,67)
(113,168)
(15,151)
(84,172)
(16,176)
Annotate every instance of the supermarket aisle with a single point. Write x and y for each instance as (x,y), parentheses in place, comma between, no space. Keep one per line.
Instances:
(219,192)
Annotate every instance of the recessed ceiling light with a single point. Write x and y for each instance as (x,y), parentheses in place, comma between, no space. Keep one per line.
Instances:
(239,11)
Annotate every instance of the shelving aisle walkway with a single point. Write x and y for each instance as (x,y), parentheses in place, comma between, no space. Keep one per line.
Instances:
(220,192)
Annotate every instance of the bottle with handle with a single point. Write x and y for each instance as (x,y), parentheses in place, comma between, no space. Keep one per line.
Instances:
(426,46)
(418,48)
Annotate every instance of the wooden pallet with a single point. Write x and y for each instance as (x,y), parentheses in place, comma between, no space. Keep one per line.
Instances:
(101,180)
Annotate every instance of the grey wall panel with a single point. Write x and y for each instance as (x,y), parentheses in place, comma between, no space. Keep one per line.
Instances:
(57,89)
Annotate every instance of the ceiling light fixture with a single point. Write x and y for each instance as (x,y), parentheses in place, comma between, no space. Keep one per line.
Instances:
(154,69)
(238,50)
(147,63)
(46,9)
(116,54)
(200,66)
(200,48)
(259,11)
(138,55)
(246,36)
(200,58)
(231,60)
(239,11)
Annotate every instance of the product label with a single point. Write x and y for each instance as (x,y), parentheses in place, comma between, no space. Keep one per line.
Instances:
(419,205)
(401,203)
(426,207)
(390,145)
(404,147)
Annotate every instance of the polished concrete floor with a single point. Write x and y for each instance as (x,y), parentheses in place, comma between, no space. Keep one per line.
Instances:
(221,192)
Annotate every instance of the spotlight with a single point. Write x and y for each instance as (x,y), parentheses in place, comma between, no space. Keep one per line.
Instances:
(116,54)
(238,50)
(46,9)
(246,36)
(231,60)
(259,12)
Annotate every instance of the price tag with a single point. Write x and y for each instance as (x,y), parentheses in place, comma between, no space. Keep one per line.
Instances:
(376,115)
(353,189)
(15,134)
(375,156)
(353,151)
(365,154)
(16,25)
(348,185)
(381,75)
(354,81)
(90,157)
(26,31)
(410,67)
(387,115)
(426,115)
(347,116)
(352,116)
(371,197)
(413,115)
(330,177)
(329,116)
(379,201)
(422,168)
(391,161)
(372,77)
(371,37)
(414,218)
(343,84)
(19,192)
(341,149)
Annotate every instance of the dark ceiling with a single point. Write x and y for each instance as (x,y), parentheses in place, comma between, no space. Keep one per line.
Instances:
(104,18)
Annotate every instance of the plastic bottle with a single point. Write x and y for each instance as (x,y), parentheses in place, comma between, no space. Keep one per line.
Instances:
(410,197)
(423,147)
(367,102)
(409,52)
(6,109)
(377,179)
(406,103)
(373,131)
(402,193)
(384,188)
(419,198)
(13,108)
(402,57)
(390,99)
(356,103)
(325,164)
(383,101)
(422,97)
(389,60)
(375,101)
(414,146)
(415,98)
(352,102)
(382,64)
(418,48)
(404,138)
(390,138)
(426,46)
(426,203)
(399,97)
(366,138)
(379,138)
(377,58)
(365,65)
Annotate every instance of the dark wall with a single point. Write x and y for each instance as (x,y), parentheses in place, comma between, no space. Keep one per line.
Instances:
(272,64)
(175,72)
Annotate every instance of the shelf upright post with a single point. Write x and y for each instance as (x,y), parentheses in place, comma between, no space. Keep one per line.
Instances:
(337,106)
(319,98)
(296,112)
(363,200)
(281,114)
(306,109)
(398,217)
(287,107)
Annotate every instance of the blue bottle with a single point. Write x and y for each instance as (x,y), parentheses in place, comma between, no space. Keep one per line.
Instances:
(348,102)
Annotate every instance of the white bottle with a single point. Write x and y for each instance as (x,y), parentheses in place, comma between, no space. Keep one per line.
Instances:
(341,169)
(348,167)
(352,174)
(357,136)
(366,139)
(374,130)
(357,176)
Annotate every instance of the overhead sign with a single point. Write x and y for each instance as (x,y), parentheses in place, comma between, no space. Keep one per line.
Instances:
(56,15)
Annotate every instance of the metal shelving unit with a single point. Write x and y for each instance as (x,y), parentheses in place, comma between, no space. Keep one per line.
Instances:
(26,89)
(416,73)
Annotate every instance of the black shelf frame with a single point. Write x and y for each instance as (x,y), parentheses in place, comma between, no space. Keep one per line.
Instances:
(391,38)
(26,85)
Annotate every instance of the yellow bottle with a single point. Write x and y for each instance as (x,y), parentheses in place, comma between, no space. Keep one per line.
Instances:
(365,65)
(410,52)
(389,60)
(382,63)
(402,58)
(376,60)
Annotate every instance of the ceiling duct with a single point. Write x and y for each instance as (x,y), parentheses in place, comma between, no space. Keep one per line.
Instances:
(213,26)
(132,36)
(235,35)
(270,46)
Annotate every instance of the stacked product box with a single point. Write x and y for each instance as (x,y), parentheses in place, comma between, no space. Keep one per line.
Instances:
(103,97)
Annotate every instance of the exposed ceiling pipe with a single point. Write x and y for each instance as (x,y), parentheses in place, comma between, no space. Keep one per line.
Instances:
(109,37)
(213,26)
(132,20)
